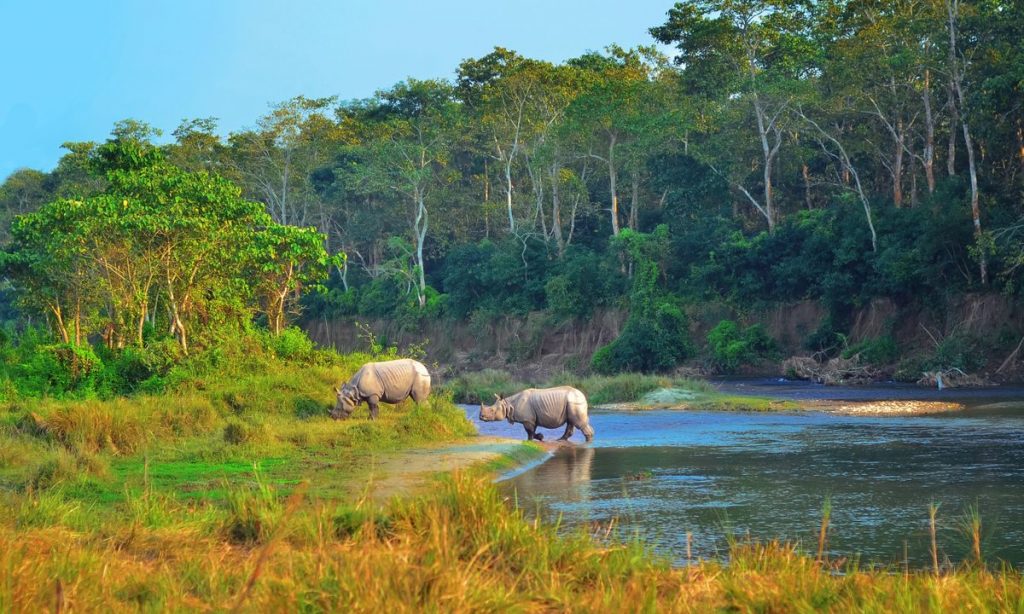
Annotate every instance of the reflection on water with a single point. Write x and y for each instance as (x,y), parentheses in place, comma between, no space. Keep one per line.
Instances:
(568,472)
(768,475)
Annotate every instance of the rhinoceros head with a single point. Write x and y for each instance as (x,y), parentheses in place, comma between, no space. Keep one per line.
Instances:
(499,411)
(347,401)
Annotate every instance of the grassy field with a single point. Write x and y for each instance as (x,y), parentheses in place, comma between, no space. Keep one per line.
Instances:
(459,548)
(237,492)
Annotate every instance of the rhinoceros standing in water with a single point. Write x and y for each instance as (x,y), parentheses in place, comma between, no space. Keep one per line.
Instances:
(546,407)
(392,381)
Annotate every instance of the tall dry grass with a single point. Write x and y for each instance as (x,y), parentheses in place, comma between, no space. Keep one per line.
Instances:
(461,548)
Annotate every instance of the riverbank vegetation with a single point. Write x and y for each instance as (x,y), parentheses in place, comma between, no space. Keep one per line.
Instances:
(460,548)
(480,386)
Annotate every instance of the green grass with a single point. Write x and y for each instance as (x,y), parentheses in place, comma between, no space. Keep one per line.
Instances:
(600,389)
(459,547)
(253,408)
(635,390)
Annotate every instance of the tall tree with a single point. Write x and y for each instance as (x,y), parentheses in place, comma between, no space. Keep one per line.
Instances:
(749,51)
(411,155)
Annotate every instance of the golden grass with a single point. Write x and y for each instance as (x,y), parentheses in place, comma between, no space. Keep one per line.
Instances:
(459,549)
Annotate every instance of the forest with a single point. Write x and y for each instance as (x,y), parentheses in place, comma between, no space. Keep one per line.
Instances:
(837,151)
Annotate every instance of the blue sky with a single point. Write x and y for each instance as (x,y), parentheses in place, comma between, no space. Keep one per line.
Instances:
(73,68)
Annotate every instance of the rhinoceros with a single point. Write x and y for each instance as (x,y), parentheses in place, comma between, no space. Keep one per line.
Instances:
(391,381)
(546,407)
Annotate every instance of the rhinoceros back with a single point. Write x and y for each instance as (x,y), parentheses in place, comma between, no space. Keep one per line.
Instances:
(400,378)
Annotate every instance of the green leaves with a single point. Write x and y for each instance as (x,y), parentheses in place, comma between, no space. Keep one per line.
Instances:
(159,235)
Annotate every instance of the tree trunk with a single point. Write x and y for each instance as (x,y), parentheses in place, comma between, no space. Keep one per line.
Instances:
(487,201)
(929,133)
(951,147)
(58,316)
(634,200)
(612,186)
(1020,144)
(806,174)
(769,158)
(897,165)
(141,324)
(556,211)
(952,8)
(177,325)
(422,221)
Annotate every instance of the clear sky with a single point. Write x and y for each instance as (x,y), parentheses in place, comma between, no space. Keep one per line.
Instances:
(73,68)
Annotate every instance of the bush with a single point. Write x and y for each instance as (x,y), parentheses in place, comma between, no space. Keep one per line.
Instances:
(240,431)
(957,352)
(878,351)
(350,522)
(731,348)
(253,512)
(481,386)
(291,344)
(656,335)
(647,344)
(585,281)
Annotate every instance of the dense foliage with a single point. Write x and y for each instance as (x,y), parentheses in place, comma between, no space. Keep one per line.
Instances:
(157,254)
(837,151)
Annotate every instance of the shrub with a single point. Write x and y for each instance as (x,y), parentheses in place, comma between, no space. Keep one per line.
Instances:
(240,431)
(291,344)
(878,351)
(957,352)
(483,385)
(350,522)
(656,335)
(253,512)
(59,369)
(306,407)
(647,344)
(731,348)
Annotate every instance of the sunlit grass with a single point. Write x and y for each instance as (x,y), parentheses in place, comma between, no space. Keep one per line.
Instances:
(459,548)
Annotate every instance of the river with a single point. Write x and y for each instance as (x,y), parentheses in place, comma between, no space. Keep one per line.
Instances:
(664,474)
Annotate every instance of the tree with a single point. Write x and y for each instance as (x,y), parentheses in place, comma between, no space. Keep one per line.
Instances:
(287,260)
(411,155)
(274,160)
(22,192)
(958,66)
(743,51)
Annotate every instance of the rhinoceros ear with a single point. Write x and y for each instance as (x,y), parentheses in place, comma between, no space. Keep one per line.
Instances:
(497,397)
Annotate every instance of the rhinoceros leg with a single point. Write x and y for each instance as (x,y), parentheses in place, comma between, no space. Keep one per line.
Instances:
(588,432)
(373,402)
(568,432)
(531,433)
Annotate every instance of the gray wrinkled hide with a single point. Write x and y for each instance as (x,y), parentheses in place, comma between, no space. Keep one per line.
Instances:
(391,381)
(550,408)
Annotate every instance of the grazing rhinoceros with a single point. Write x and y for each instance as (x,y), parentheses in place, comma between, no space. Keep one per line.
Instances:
(392,381)
(546,407)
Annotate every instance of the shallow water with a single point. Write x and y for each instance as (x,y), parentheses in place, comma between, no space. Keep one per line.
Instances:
(662,474)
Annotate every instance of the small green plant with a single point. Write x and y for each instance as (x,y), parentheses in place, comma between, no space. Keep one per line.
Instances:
(240,431)
(291,344)
(351,521)
(877,351)
(253,510)
(731,347)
